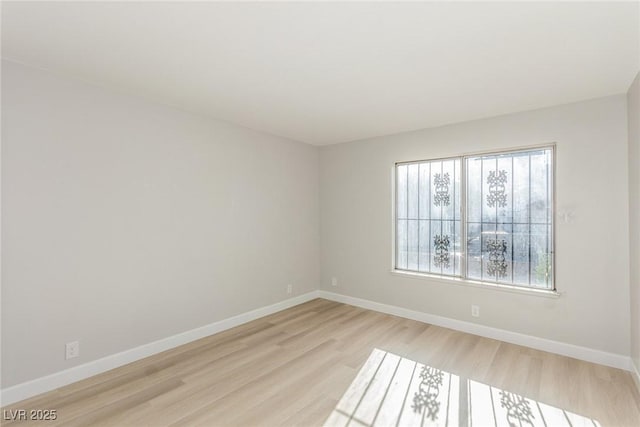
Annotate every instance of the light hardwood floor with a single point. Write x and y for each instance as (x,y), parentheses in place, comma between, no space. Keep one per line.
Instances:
(328,363)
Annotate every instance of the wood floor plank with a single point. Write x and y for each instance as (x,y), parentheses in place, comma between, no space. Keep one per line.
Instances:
(327,363)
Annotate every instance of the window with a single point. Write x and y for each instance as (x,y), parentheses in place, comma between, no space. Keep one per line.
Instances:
(486,218)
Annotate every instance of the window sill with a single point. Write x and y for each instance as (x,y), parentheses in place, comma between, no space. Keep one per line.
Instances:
(481,285)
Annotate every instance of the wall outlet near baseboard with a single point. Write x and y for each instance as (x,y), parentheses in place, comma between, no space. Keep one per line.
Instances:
(475,310)
(72,349)
(334,281)
(289,289)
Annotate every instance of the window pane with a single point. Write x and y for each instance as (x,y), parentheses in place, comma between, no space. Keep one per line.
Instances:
(428,212)
(505,238)
(539,196)
(412,193)
(447,209)
(401,244)
(489,201)
(457,188)
(412,244)
(401,191)
(474,251)
(424,253)
(509,221)
(438,193)
(423,184)
(457,249)
(504,211)
(540,260)
(521,189)
(474,190)
(521,254)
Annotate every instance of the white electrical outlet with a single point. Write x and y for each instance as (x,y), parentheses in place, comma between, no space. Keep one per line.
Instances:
(475,310)
(72,350)
(289,289)
(334,281)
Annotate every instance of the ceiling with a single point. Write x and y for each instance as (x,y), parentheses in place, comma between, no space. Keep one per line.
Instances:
(325,73)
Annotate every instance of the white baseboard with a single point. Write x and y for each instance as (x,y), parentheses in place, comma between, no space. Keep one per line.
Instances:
(50,382)
(575,351)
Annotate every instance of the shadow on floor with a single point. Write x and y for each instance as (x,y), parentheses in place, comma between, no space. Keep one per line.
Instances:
(391,390)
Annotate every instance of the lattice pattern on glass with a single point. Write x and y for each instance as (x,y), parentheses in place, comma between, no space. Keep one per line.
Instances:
(428,217)
(506,215)
(509,218)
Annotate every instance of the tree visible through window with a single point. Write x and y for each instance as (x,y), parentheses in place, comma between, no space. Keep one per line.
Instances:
(497,227)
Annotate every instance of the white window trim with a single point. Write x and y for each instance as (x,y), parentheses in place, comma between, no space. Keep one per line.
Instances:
(448,280)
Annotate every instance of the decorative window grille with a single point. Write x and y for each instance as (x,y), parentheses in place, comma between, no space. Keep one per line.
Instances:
(428,217)
(485,218)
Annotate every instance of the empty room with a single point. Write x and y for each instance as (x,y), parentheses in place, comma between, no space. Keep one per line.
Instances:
(320,213)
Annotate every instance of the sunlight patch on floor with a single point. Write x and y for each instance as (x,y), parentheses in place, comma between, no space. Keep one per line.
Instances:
(391,390)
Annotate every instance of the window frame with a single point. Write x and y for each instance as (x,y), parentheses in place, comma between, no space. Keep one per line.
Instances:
(463,279)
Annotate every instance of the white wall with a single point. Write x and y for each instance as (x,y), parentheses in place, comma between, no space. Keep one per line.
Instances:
(592,250)
(125,221)
(633,105)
